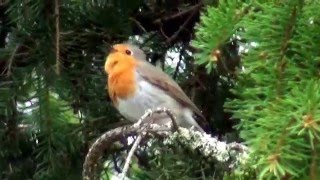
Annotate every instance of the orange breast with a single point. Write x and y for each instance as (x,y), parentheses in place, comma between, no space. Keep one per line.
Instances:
(122,84)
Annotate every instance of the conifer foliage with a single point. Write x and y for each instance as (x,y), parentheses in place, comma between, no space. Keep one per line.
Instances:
(262,55)
(277,84)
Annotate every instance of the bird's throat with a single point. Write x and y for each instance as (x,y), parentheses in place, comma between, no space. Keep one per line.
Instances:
(122,85)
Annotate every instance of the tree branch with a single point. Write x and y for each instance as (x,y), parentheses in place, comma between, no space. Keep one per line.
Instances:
(102,143)
(314,164)
(178,64)
(282,63)
(130,154)
(179,14)
(138,24)
(10,61)
(208,146)
(175,35)
(57,18)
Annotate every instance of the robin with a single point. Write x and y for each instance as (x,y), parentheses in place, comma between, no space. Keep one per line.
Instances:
(134,86)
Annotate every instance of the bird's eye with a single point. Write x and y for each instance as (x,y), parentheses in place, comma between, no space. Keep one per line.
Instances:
(128,52)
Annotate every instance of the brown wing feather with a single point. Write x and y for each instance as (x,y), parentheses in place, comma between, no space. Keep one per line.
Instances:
(160,79)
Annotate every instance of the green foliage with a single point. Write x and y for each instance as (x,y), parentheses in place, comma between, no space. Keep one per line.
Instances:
(53,101)
(216,27)
(46,114)
(277,87)
(52,105)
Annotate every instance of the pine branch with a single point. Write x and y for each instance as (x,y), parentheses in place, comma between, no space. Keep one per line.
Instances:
(284,47)
(314,160)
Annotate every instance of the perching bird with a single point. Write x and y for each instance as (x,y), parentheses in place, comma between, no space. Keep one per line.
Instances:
(134,86)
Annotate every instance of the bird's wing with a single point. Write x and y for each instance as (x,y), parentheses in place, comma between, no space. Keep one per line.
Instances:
(160,79)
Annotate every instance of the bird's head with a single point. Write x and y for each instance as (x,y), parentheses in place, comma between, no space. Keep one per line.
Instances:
(122,57)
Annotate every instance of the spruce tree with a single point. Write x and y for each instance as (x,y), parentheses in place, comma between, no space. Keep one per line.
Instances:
(277,82)
(261,55)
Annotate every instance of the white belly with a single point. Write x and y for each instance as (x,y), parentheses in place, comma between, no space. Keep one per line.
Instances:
(147,97)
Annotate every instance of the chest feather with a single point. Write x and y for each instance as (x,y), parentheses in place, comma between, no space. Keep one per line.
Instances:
(122,85)
(147,96)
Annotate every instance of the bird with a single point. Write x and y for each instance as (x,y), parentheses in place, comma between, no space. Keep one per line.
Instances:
(135,86)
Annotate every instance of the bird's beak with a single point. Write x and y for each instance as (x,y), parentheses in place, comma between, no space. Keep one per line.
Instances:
(113,50)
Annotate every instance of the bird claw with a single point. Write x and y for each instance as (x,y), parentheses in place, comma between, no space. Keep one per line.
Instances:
(149,112)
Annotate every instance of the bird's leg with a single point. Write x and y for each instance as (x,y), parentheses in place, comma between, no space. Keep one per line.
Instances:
(171,116)
(147,113)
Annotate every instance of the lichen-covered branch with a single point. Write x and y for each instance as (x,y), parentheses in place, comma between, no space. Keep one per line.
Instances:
(226,155)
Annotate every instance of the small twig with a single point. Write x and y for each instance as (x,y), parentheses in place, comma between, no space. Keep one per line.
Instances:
(10,61)
(134,147)
(138,24)
(178,64)
(193,93)
(179,14)
(130,154)
(175,35)
(193,89)
(163,33)
(57,17)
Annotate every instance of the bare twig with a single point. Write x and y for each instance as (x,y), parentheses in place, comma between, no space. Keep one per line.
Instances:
(179,14)
(57,18)
(175,35)
(130,154)
(10,61)
(148,113)
(193,89)
(178,64)
(163,33)
(138,24)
